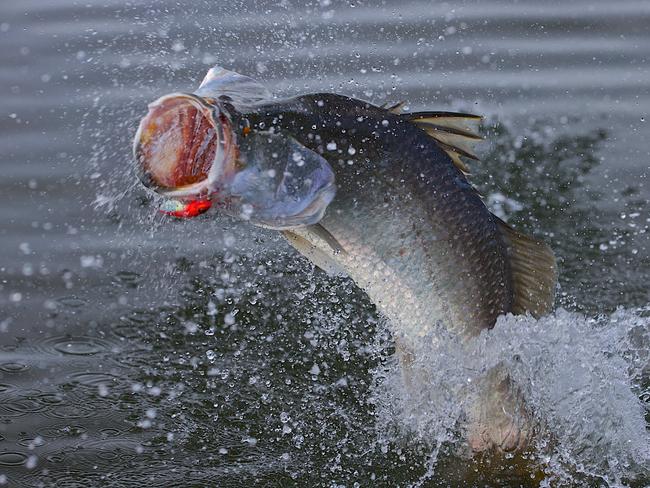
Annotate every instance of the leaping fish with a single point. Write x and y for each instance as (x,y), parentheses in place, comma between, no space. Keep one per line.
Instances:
(363,191)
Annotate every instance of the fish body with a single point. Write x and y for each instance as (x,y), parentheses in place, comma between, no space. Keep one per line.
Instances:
(415,234)
(367,192)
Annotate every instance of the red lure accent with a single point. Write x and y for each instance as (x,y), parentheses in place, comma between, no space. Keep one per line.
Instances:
(189,209)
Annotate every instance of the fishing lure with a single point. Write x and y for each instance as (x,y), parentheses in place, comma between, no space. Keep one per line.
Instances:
(185,209)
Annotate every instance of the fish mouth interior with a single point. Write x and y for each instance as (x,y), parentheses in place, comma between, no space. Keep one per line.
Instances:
(177,143)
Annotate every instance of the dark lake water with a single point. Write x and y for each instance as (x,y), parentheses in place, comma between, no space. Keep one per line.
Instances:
(138,350)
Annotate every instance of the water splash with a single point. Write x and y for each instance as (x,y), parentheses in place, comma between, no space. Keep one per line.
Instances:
(584,378)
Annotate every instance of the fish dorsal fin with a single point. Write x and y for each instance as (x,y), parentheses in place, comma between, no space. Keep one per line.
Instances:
(240,89)
(533,271)
(455,132)
(396,108)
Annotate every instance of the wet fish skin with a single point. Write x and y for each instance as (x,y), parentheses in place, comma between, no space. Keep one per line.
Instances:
(417,237)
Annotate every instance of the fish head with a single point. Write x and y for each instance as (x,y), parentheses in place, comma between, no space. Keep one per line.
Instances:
(196,150)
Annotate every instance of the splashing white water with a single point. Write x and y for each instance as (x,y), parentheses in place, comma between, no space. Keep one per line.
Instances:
(582,377)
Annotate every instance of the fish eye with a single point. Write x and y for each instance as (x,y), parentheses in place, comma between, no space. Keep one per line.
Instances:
(245,127)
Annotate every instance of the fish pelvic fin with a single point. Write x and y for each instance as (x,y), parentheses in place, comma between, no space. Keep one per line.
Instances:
(457,133)
(327,237)
(533,271)
(317,256)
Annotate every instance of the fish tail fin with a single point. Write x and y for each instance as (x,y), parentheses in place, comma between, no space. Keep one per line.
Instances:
(455,132)
(533,272)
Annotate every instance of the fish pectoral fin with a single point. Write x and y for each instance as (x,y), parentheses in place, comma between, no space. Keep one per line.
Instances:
(457,133)
(317,256)
(533,272)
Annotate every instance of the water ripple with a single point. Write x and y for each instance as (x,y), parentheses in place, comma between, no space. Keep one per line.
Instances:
(13,367)
(76,346)
(12,458)
(71,301)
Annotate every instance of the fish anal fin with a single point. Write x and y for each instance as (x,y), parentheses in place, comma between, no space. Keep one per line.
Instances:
(533,272)
(316,255)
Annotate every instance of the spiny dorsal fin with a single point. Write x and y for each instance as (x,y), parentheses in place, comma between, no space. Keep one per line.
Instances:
(457,120)
(455,157)
(533,270)
(395,108)
(457,133)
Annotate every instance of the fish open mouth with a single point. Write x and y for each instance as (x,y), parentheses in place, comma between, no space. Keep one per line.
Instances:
(187,151)
(180,145)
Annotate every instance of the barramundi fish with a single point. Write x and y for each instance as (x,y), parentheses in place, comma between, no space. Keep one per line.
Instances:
(363,191)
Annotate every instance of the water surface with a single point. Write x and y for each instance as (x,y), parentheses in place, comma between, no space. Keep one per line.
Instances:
(138,349)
